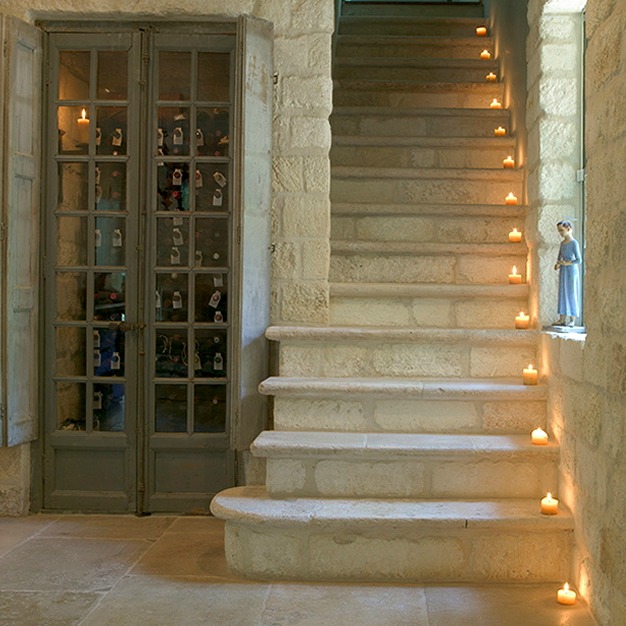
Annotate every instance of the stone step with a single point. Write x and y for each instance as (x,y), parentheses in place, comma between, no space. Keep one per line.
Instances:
(412,94)
(414,47)
(406,405)
(434,263)
(405,352)
(424,185)
(429,306)
(393,539)
(442,11)
(393,465)
(418,122)
(433,70)
(359,209)
(409,26)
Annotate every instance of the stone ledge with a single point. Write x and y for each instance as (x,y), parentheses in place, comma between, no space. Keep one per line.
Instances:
(416,290)
(403,388)
(427,248)
(358,209)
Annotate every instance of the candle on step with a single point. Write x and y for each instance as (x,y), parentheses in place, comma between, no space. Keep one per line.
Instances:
(515,236)
(491,77)
(509,162)
(514,277)
(510,199)
(549,505)
(539,437)
(495,104)
(83,127)
(530,375)
(485,54)
(481,31)
(566,595)
(499,132)
(522,321)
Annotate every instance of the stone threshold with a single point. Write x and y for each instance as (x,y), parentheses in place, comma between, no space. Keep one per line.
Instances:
(357,209)
(427,248)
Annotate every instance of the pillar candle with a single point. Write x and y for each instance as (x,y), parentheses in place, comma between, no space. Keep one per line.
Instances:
(509,162)
(549,505)
(566,595)
(83,127)
(499,132)
(530,375)
(491,77)
(539,437)
(485,54)
(481,31)
(514,277)
(495,104)
(510,199)
(515,236)
(522,321)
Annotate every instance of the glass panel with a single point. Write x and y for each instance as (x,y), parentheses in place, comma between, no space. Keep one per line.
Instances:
(212,132)
(173,131)
(172,298)
(174,75)
(211,349)
(212,241)
(111,133)
(109,407)
(112,73)
(110,179)
(73,128)
(171,354)
(108,352)
(109,296)
(70,295)
(110,241)
(73,187)
(211,298)
(173,187)
(71,241)
(71,349)
(70,406)
(214,76)
(74,75)
(209,403)
(172,241)
(211,182)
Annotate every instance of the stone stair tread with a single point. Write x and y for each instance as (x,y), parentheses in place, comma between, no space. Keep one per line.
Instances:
(426,249)
(471,41)
(426,290)
(415,388)
(470,22)
(350,445)
(418,112)
(421,209)
(420,62)
(252,505)
(477,174)
(363,84)
(419,142)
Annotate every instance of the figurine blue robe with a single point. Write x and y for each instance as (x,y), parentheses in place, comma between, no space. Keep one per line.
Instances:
(569,279)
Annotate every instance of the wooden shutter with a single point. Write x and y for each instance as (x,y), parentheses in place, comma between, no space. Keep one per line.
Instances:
(21,95)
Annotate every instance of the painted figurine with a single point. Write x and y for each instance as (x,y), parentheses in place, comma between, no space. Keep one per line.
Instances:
(569,276)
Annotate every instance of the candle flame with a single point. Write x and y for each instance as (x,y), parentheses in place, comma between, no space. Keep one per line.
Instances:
(515,230)
(522,313)
(514,270)
(530,366)
(566,587)
(84,114)
(549,497)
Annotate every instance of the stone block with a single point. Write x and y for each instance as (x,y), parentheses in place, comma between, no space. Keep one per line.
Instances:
(514,416)
(558,96)
(486,362)
(306,302)
(559,58)
(416,229)
(305,215)
(557,28)
(288,174)
(367,312)
(491,270)
(309,133)
(286,476)
(571,359)
(316,174)
(557,182)
(415,416)
(306,93)
(558,139)
(319,414)
(300,360)
(488,313)
(419,360)
(284,260)
(315,259)
(436,313)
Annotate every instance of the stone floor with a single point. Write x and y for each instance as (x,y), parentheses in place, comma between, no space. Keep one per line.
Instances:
(171,571)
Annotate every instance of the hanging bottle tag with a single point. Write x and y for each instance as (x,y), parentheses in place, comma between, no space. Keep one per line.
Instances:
(218,317)
(117,137)
(158,300)
(199,137)
(216,296)
(97,358)
(116,361)
(117,238)
(175,256)
(215,400)
(98,234)
(98,136)
(218,198)
(160,137)
(218,280)
(177,237)
(197,364)
(96,339)
(177,136)
(199,181)
(216,256)
(217,339)
(220,179)
(97,400)
(177,300)
(198,257)
(177,221)
(98,172)
(218,362)
(177,177)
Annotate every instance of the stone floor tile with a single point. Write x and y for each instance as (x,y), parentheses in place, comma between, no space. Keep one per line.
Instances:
(197,524)
(511,605)
(316,604)
(155,601)
(14,530)
(59,564)
(109,526)
(49,608)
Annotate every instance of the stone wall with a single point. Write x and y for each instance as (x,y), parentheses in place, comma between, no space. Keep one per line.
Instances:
(587,377)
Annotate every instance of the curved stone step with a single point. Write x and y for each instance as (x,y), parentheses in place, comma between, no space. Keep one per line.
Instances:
(393,540)
(411,26)
(392,465)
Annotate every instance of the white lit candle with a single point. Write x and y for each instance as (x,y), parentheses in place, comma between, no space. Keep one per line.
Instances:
(549,505)
(495,104)
(485,54)
(510,199)
(481,31)
(566,595)
(499,132)
(83,127)
(491,77)
(509,162)
(522,321)
(514,277)
(539,437)
(530,376)
(515,236)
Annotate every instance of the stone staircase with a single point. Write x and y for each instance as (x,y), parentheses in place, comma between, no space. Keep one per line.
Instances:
(401,448)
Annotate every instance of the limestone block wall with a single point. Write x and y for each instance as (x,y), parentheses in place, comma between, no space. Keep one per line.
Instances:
(587,378)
